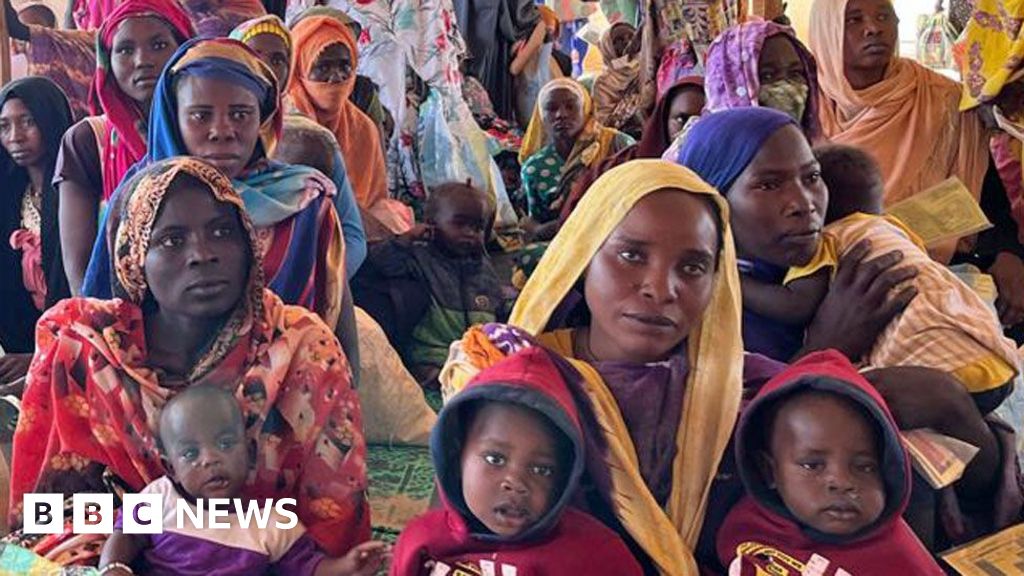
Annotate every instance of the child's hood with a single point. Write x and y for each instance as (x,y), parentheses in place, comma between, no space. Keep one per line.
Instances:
(832,372)
(531,379)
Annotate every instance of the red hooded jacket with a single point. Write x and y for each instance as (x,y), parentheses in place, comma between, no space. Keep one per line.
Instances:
(565,541)
(772,540)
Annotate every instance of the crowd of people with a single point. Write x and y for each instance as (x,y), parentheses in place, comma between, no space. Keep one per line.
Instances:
(670,324)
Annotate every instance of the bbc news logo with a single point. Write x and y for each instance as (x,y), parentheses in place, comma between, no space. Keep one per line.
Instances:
(145,514)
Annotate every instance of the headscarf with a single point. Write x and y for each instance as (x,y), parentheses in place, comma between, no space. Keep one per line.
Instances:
(308,252)
(126,122)
(617,88)
(994,50)
(269,24)
(284,367)
(720,146)
(733,64)
(715,358)
(652,144)
(536,133)
(909,121)
(52,114)
(329,104)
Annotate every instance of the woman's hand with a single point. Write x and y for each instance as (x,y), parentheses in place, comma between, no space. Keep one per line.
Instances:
(1008,272)
(858,305)
(365,559)
(14,367)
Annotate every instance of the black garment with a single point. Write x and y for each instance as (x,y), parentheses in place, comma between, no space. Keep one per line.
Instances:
(564,62)
(52,114)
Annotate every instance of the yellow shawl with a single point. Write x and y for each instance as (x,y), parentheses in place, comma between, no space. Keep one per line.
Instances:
(909,121)
(594,142)
(993,51)
(714,384)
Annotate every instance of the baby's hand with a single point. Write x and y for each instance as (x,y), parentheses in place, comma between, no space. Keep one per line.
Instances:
(365,559)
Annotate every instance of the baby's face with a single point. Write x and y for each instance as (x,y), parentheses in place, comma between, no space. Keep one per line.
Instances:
(510,468)
(825,465)
(205,445)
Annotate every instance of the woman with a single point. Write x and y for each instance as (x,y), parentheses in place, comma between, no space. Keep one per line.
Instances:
(617,89)
(321,82)
(192,310)
(563,140)
(134,43)
(993,75)
(268,37)
(34,114)
(889,105)
(217,101)
(763,163)
(639,294)
(764,64)
(681,102)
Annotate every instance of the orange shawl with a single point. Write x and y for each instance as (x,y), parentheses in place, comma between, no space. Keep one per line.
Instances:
(909,121)
(330,105)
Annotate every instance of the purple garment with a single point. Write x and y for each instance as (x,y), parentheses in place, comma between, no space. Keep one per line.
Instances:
(174,554)
(732,79)
(763,335)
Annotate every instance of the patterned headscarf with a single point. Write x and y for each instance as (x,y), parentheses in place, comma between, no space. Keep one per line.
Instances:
(140,204)
(994,52)
(269,24)
(733,61)
(126,143)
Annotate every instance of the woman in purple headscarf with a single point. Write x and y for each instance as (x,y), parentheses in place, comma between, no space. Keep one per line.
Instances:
(763,64)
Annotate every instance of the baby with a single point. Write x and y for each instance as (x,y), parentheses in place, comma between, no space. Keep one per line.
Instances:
(305,142)
(947,326)
(509,454)
(204,448)
(827,480)
(446,268)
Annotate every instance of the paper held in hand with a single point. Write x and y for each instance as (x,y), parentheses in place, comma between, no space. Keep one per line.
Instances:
(943,212)
(939,458)
(1001,554)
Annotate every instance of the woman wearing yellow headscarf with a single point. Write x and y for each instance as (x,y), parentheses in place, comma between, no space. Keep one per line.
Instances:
(562,142)
(639,294)
(993,72)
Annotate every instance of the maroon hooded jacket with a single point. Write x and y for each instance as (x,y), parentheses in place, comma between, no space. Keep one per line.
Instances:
(565,541)
(772,540)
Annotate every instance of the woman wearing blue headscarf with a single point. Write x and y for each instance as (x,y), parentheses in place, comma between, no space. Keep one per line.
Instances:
(762,162)
(217,101)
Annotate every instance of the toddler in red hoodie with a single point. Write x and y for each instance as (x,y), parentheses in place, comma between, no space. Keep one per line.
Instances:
(827,479)
(508,450)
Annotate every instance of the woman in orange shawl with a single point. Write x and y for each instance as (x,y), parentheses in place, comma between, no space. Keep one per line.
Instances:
(904,114)
(192,309)
(323,77)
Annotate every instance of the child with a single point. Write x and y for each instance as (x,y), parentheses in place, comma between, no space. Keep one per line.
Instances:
(947,326)
(445,265)
(827,480)
(306,142)
(509,454)
(202,440)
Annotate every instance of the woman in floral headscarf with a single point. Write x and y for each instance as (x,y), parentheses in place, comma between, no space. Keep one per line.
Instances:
(192,309)
(133,45)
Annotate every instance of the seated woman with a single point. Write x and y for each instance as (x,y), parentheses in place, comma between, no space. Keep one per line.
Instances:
(217,101)
(34,114)
(764,64)
(134,43)
(763,163)
(617,88)
(681,102)
(192,310)
(563,140)
(322,80)
(639,296)
(268,37)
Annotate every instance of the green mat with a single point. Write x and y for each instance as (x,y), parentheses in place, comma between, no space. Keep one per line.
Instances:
(401,484)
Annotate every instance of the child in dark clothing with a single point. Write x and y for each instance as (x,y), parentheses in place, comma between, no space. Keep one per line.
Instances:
(827,479)
(446,261)
(509,454)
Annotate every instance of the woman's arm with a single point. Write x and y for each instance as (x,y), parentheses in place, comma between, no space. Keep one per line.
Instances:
(348,334)
(927,398)
(529,50)
(858,305)
(794,303)
(77,216)
(121,548)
